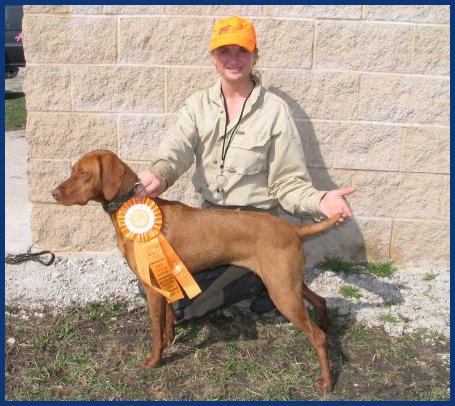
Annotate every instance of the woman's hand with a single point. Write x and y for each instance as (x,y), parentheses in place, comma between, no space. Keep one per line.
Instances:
(151,185)
(333,203)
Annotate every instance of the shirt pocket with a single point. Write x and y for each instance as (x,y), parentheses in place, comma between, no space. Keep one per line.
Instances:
(248,155)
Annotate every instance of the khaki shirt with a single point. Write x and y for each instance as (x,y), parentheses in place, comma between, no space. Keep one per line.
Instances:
(264,164)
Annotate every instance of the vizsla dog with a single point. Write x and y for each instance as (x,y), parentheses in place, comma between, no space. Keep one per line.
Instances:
(264,244)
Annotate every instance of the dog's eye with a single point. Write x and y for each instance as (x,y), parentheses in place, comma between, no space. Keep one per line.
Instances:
(81,174)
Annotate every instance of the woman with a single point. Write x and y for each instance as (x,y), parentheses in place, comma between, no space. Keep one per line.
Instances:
(248,157)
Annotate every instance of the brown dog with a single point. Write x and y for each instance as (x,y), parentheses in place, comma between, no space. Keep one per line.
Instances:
(267,245)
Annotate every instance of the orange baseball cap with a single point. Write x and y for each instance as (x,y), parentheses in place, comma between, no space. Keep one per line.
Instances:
(233,31)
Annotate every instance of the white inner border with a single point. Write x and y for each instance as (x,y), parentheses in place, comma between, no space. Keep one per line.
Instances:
(134,209)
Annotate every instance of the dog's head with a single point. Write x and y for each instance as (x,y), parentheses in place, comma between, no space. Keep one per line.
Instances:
(96,176)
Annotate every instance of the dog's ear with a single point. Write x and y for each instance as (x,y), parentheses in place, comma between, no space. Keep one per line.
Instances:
(112,171)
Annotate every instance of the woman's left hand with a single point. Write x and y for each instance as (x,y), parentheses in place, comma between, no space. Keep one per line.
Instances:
(333,203)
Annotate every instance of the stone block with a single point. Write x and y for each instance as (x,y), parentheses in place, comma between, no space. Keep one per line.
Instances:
(330,179)
(63,39)
(72,228)
(183,190)
(69,135)
(221,11)
(316,94)
(117,9)
(363,46)
(351,145)
(48,9)
(43,176)
(347,241)
(432,50)
(376,238)
(164,41)
(313,11)
(296,43)
(421,243)
(140,135)
(47,88)
(400,195)
(426,149)
(183,82)
(412,13)
(118,89)
(405,99)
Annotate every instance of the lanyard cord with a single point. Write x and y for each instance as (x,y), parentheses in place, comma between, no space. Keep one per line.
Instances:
(225,147)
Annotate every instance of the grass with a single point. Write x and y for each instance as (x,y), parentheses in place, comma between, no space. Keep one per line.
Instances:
(338,265)
(94,353)
(15,113)
(430,276)
(382,269)
(389,318)
(350,292)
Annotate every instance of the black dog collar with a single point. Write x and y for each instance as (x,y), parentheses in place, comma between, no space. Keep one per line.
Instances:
(116,204)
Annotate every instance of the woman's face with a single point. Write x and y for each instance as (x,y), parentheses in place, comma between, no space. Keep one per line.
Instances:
(234,63)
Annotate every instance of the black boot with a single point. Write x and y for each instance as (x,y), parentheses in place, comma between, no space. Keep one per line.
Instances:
(262,303)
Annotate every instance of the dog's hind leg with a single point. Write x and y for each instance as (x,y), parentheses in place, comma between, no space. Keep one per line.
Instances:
(319,305)
(292,307)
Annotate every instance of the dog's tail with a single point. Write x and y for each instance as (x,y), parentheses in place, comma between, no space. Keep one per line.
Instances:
(309,229)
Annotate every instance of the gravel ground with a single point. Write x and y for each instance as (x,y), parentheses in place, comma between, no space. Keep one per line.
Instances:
(411,300)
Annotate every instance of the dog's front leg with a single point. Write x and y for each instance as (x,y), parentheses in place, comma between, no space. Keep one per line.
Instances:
(157,310)
(168,330)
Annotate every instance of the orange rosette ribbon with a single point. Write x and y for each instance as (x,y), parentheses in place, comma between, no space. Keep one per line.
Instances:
(140,221)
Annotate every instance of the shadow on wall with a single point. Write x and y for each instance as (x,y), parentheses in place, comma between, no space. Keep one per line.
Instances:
(344,241)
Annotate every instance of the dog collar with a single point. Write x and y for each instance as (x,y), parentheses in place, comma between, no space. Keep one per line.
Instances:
(110,207)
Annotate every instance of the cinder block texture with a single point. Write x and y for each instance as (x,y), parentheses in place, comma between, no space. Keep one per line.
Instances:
(426,150)
(363,46)
(164,41)
(296,43)
(64,39)
(140,135)
(48,88)
(66,135)
(43,176)
(314,12)
(181,83)
(317,94)
(214,10)
(432,50)
(404,247)
(368,86)
(405,99)
(401,195)
(80,228)
(118,89)
(351,146)
(412,14)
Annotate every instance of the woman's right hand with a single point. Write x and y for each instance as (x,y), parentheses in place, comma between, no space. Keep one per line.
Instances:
(151,185)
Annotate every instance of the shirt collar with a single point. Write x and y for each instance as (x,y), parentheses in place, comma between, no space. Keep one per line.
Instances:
(217,98)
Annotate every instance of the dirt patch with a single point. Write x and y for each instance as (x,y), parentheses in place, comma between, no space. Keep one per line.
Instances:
(94,353)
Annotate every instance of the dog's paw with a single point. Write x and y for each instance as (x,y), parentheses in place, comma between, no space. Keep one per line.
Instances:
(323,385)
(150,362)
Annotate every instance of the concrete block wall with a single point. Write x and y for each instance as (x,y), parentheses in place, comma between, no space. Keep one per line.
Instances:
(368,86)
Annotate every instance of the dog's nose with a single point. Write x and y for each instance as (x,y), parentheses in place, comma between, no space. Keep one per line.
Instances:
(57,194)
